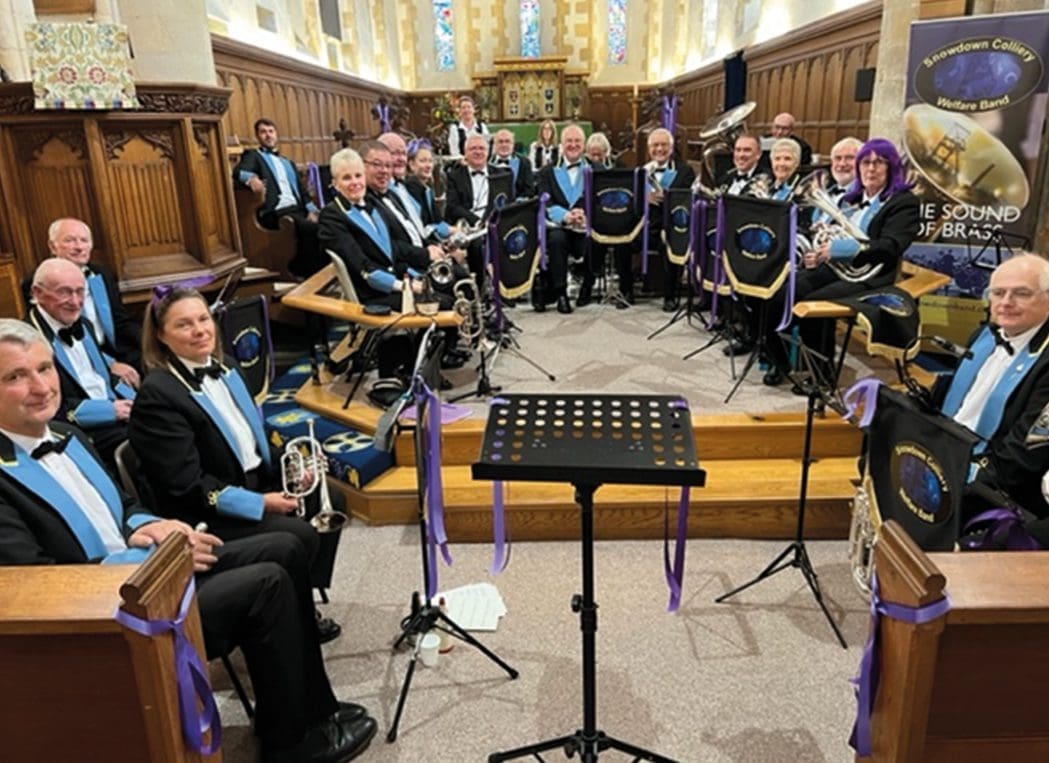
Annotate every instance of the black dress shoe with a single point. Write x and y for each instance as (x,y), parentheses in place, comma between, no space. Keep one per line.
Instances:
(539,306)
(669,304)
(737,347)
(563,305)
(327,629)
(586,294)
(773,377)
(331,741)
(350,711)
(450,360)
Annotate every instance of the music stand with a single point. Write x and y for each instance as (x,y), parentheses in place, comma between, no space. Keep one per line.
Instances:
(821,391)
(424,615)
(999,239)
(588,440)
(696,245)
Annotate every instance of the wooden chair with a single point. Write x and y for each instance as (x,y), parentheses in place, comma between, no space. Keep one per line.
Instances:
(263,248)
(76,684)
(973,684)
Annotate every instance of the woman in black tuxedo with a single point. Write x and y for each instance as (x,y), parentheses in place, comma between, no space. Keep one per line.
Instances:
(201,442)
(419,183)
(880,203)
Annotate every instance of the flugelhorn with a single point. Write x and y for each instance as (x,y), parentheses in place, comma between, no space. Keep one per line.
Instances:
(303,468)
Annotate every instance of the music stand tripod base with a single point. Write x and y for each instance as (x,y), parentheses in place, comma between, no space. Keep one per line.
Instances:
(588,440)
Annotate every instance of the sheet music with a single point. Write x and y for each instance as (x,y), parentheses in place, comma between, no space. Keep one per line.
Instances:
(475,607)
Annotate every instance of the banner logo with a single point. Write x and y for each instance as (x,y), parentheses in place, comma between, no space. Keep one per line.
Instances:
(247,347)
(615,201)
(515,242)
(893,304)
(978,74)
(918,481)
(679,218)
(755,241)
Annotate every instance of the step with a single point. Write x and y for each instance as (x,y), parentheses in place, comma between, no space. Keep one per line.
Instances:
(753,499)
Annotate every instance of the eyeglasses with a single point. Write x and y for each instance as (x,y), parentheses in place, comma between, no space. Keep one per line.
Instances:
(874,162)
(1019,294)
(65,292)
(377,165)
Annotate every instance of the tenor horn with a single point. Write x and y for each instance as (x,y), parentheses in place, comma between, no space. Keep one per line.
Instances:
(303,469)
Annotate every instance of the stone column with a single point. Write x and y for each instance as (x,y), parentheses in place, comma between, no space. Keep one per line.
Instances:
(891,80)
(170,39)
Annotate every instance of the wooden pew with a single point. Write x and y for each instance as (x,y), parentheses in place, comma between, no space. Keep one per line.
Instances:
(916,281)
(262,247)
(972,685)
(76,684)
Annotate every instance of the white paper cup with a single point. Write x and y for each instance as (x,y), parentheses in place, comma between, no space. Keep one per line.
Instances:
(428,649)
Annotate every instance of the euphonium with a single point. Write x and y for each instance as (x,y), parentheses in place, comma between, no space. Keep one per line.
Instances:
(303,468)
(840,226)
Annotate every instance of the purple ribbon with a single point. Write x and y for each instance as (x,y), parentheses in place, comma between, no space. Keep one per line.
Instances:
(699,209)
(867,681)
(670,104)
(644,228)
(163,291)
(788,303)
(543,198)
(588,199)
(675,574)
(436,536)
(313,177)
(382,111)
(1006,531)
(501,553)
(191,675)
(864,392)
(416,144)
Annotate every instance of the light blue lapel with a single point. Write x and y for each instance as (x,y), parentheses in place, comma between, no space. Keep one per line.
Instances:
(515,167)
(97,286)
(93,355)
(571,191)
(407,198)
(668,177)
(431,206)
(869,212)
(30,474)
(247,406)
(248,409)
(275,162)
(378,232)
(966,373)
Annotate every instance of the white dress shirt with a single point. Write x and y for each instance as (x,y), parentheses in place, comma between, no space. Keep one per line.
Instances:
(95,387)
(479,182)
(991,372)
(220,396)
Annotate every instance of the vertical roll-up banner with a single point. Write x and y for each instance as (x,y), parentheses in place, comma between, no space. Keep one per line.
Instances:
(975,106)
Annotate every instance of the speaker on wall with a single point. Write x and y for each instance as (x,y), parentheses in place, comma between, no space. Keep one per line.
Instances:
(864,84)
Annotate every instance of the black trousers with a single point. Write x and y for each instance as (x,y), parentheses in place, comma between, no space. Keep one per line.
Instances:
(309,258)
(623,255)
(561,244)
(257,597)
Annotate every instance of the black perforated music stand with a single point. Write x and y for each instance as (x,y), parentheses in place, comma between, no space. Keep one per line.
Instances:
(588,440)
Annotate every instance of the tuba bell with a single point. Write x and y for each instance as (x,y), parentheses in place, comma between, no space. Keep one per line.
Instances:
(720,133)
(811,193)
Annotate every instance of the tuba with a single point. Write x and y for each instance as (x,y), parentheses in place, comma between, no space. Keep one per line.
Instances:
(720,132)
(303,467)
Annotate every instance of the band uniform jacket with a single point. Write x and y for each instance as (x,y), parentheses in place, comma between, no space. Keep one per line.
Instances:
(77,408)
(252,162)
(521,170)
(460,194)
(367,252)
(1007,461)
(553,180)
(535,156)
(890,231)
(680,174)
(755,179)
(424,197)
(188,453)
(39,521)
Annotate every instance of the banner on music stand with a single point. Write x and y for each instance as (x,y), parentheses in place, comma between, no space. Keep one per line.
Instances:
(677,224)
(246,337)
(500,190)
(918,464)
(757,243)
(615,204)
(517,247)
(889,316)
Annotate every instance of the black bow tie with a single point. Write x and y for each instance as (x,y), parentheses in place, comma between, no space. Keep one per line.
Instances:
(72,334)
(503,162)
(1001,341)
(268,150)
(865,204)
(214,370)
(477,172)
(50,446)
(658,170)
(572,165)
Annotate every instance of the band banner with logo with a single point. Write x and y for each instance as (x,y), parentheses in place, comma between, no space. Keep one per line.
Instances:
(517,248)
(757,239)
(889,317)
(918,463)
(677,224)
(977,89)
(246,336)
(615,204)
(500,189)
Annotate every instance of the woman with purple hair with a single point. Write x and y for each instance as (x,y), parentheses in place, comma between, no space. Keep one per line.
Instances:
(879,202)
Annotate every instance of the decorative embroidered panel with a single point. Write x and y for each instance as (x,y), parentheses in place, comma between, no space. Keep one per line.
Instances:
(81,66)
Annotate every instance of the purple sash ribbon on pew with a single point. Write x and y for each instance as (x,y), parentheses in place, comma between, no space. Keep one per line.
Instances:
(1006,530)
(313,177)
(436,536)
(867,681)
(788,302)
(718,273)
(864,392)
(191,675)
(501,552)
(588,198)
(676,574)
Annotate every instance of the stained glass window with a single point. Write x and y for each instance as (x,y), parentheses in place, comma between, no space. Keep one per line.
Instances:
(530,28)
(444,35)
(617,31)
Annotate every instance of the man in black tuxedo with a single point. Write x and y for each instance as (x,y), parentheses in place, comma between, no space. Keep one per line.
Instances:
(745,178)
(58,505)
(663,172)
(116,332)
(783,127)
(96,392)
(565,209)
(265,171)
(520,168)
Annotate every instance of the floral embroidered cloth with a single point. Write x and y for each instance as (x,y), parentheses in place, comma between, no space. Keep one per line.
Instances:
(81,66)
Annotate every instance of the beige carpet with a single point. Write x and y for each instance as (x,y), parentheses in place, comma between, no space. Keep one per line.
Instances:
(761,679)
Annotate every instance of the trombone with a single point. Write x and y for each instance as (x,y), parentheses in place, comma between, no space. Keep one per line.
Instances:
(304,467)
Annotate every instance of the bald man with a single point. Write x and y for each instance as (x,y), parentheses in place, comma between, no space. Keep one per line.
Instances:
(520,168)
(783,127)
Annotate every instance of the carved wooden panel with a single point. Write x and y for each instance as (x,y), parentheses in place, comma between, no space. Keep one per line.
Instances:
(11,305)
(208,164)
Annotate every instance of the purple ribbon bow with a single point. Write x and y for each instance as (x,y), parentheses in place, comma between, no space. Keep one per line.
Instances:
(1006,530)
(670,104)
(436,536)
(865,393)
(313,177)
(191,675)
(867,681)
(382,111)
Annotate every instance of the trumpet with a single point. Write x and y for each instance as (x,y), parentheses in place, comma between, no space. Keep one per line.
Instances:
(463,235)
(303,468)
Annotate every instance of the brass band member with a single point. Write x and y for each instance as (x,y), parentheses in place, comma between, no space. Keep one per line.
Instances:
(745,178)
(664,172)
(58,505)
(881,204)
(545,149)
(201,442)
(419,182)
(599,151)
(467,125)
(599,154)
(564,183)
(843,166)
(504,156)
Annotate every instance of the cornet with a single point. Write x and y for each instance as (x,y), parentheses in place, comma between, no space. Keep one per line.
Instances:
(303,468)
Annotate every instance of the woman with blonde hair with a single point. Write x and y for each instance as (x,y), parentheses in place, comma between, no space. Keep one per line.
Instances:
(544,149)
